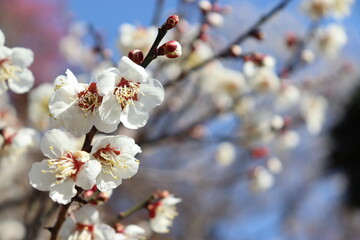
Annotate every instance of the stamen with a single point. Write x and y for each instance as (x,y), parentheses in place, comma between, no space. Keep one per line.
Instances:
(89,100)
(8,71)
(127,92)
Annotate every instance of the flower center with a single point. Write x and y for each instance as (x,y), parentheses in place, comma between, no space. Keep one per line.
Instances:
(8,70)
(110,160)
(83,232)
(127,92)
(89,99)
(67,166)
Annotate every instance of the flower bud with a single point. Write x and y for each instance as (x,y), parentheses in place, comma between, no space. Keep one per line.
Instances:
(171,49)
(205,6)
(136,56)
(259,152)
(171,22)
(257,34)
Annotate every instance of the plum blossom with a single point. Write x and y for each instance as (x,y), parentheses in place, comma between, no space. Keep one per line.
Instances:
(261,179)
(116,156)
(14,72)
(14,143)
(130,232)
(128,94)
(77,105)
(313,109)
(225,154)
(84,225)
(162,212)
(317,8)
(331,39)
(64,169)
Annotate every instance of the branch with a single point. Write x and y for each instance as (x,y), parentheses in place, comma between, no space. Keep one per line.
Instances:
(135,208)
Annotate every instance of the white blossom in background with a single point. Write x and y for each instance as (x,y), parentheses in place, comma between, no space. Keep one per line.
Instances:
(288,140)
(84,224)
(77,105)
(131,232)
(132,38)
(313,109)
(330,40)
(274,165)
(287,97)
(64,169)
(38,110)
(341,8)
(116,156)
(215,19)
(261,179)
(317,8)
(262,77)
(198,54)
(14,72)
(224,84)
(11,229)
(244,106)
(128,95)
(162,213)
(225,154)
(14,143)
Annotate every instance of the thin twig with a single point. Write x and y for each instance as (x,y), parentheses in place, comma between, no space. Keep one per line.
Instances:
(135,208)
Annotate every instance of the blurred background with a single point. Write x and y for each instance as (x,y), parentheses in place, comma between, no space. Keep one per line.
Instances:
(256,151)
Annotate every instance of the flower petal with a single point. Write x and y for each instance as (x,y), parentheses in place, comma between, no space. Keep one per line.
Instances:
(63,98)
(87,174)
(134,118)
(107,80)
(55,143)
(67,228)
(153,93)
(131,168)
(104,231)
(104,127)
(110,109)
(63,192)
(106,182)
(75,121)
(87,215)
(131,71)
(22,57)
(39,178)
(23,83)
(124,144)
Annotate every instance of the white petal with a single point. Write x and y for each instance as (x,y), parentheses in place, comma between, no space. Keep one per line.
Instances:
(131,71)
(5,52)
(25,137)
(24,82)
(104,231)
(2,38)
(63,98)
(87,174)
(106,182)
(131,168)
(75,121)
(67,228)
(104,127)
(110,109)
(22,57)
(153,93)
(63,192)
(133,118)
(87,215)
(38,178)
(54,143)
(124,144)
(107,81)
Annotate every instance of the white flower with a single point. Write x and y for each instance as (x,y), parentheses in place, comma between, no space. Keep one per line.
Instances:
(77,105)
(85,225)
(131,232)
(13,68)
(287,97)
(317,8)
(13,144)
(331,39)
(274,165)
(64,169)
(289,139)
(38,110)
(341,8)
(128,94)
(261,179)
(116,155)
(262,78)
(11,229)
(225,154)
(313,109)
(162,213)
(132,38)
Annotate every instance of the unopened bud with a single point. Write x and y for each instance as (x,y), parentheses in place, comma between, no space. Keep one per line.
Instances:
(307,56)
(215,19)
(136,56)
(259,152)
(171,22)
(257,34)
(291,40)
(235,50)
(171,49)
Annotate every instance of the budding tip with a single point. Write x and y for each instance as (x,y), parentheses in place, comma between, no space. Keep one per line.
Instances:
(171,22)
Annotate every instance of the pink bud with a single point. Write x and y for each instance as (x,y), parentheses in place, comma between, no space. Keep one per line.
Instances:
(171,49)
(136,56)
(259,152)
(171,22)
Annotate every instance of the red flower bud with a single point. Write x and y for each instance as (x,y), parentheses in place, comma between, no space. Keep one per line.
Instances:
(171,49)
(136,56)
(171,22)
